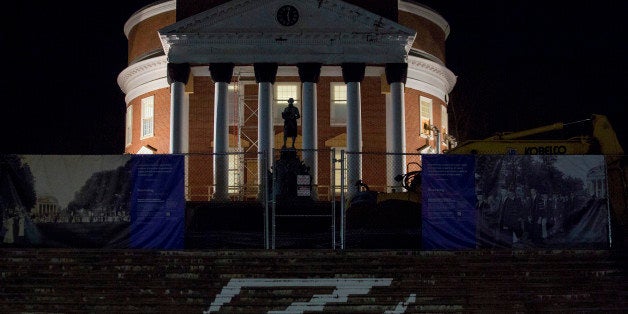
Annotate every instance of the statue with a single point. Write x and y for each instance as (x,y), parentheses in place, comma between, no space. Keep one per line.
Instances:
(290,115)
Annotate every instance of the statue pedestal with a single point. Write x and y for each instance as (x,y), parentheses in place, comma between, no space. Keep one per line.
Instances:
(293,176)
(288,154)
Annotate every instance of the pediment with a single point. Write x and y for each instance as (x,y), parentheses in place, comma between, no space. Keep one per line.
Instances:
(248,31)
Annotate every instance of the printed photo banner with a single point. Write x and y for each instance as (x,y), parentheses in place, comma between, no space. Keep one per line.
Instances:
(468,201)
(514,201)
(92,201)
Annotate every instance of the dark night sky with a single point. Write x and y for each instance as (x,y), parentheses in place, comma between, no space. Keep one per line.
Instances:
(520,64)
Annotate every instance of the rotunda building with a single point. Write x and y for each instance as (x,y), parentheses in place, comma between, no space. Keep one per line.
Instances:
(210,79)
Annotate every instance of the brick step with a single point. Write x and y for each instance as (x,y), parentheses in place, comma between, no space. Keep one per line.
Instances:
(467,289)
(125,281)
(331,260)
(217,274)
(225,272)
(118,308)
(73,254)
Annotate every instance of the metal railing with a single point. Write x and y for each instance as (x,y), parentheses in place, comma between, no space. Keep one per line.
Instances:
(330,186)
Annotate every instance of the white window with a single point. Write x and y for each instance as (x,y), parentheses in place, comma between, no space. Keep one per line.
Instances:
(426,116)
(128,132)
(444,121)
(236,161)
(284,91)
(337,169)
(148,116)
(233,105)
(338,103)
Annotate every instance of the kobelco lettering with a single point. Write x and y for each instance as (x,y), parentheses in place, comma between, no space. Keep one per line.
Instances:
(546,150)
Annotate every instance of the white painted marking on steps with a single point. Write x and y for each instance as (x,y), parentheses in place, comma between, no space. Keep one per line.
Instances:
(343,288)
(402,307)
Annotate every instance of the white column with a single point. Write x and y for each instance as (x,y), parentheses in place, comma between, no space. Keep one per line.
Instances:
(265,131)
(185,124)
(353,74)
(221,142)
(221,73)
(309,74)
(354,137)
(396,74)
(309,127)
(178,75)
(396,135)
(177,101)
(265,74)
(390,176)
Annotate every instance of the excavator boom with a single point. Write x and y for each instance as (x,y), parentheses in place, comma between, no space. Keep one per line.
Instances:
(602,140)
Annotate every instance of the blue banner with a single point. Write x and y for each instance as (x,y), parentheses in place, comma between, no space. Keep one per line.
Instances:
(158,202)
(448,208)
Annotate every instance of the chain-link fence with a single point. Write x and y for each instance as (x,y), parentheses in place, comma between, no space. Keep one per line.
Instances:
(240,177)
(328,170)
(303,211)
(332,176)
(243,174)
(373,200)
(381,172)
(381,203)
(243,200)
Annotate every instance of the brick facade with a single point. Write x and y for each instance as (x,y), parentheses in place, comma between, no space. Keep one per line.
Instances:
(144,45)
(373,130)
(429,37)
(161,136)
(143,39)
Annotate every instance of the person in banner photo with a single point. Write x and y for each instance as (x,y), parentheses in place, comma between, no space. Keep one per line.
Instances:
(8,227)
(511,218)
(542,216)
(569,206)
(488,219)
(534,209)
(557,215)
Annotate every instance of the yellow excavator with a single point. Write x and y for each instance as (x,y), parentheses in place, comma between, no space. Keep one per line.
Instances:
(599,139)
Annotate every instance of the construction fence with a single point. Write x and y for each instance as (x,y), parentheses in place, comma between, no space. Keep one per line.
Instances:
(427,202)
(377,174)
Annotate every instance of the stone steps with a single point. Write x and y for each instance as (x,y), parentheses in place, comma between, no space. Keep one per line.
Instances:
(147,281)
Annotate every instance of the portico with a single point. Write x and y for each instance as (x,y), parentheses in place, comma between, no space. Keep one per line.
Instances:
(329,33)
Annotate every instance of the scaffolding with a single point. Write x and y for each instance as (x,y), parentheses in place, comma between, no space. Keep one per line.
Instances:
(243,119)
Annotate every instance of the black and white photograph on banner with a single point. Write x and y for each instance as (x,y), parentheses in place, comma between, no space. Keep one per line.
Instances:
(542,201)
(64,200)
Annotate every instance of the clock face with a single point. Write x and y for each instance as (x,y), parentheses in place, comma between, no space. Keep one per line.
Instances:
(287,15)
